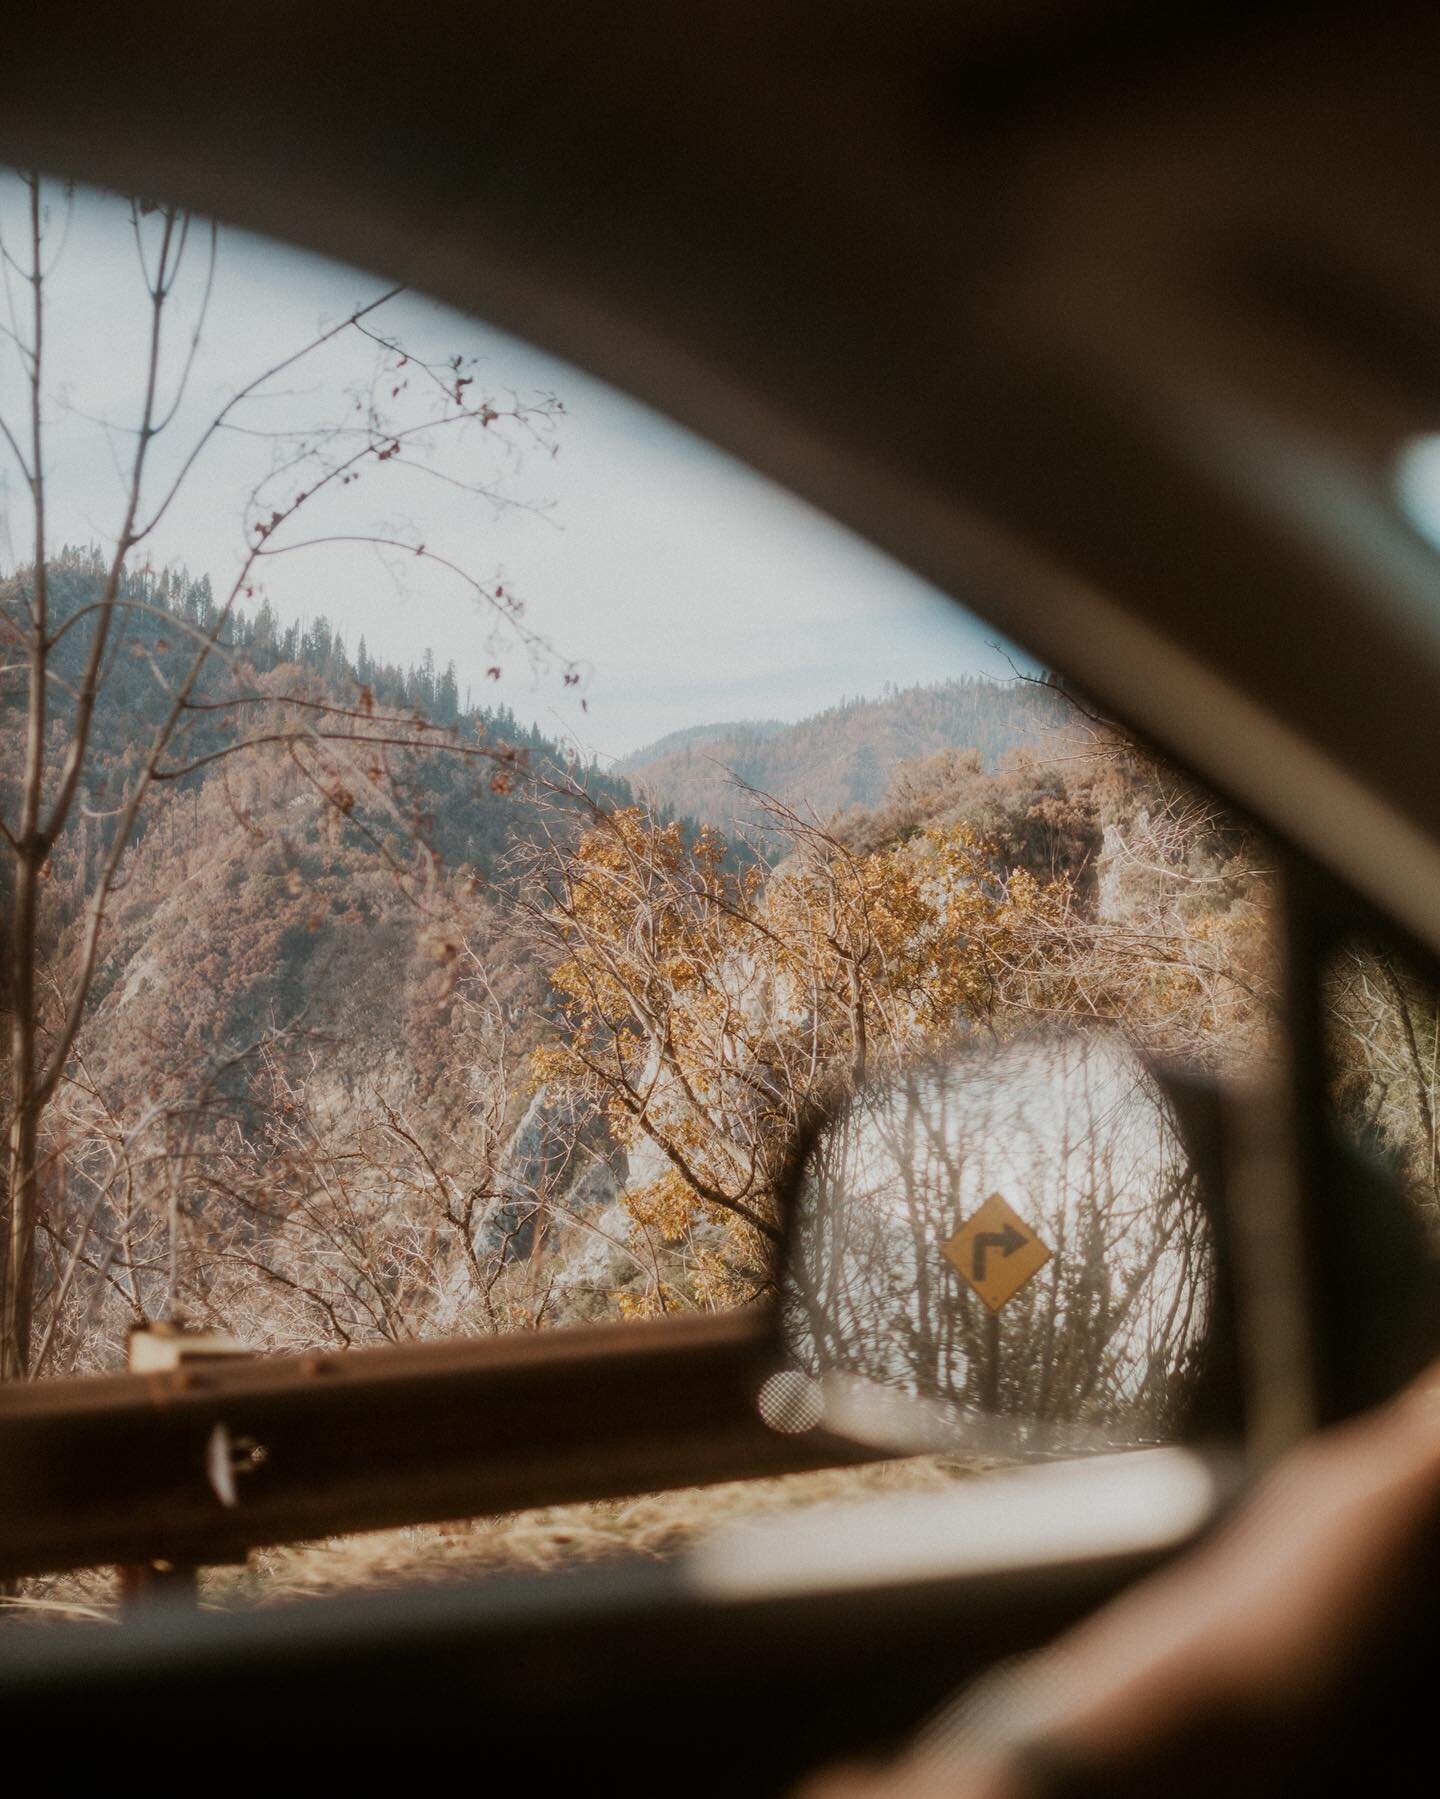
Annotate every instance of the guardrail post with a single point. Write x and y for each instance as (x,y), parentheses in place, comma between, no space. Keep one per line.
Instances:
(162,1347)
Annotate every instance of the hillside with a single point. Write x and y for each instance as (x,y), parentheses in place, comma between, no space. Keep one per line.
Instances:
(846,756)
(468,797)
(405,1024)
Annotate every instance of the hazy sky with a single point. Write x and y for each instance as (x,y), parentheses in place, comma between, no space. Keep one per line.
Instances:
(689,588)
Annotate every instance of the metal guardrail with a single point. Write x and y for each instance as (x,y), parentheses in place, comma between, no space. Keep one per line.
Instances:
(204,1462)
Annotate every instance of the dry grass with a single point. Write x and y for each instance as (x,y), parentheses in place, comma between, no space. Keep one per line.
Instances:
(654,1525)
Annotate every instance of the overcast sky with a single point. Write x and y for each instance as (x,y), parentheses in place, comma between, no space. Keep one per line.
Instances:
(690,589)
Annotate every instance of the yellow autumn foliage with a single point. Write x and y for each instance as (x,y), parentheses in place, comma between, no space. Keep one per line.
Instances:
(708,1007)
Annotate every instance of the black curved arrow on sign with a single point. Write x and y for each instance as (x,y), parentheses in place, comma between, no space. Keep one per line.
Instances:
(1006,1241)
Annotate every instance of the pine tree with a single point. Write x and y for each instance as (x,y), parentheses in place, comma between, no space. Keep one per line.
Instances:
(447,697)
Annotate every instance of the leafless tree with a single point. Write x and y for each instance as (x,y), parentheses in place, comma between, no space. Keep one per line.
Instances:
(393,419)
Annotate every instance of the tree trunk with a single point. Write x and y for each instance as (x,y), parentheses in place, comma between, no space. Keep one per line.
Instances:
(18,1284)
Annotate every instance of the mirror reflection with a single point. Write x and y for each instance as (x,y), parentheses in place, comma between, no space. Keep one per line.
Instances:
(1012,1238)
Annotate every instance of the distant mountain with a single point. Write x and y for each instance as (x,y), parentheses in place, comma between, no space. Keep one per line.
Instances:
(846,756)
(694,735)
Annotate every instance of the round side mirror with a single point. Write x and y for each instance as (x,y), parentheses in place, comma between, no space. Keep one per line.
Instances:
(1007,1252)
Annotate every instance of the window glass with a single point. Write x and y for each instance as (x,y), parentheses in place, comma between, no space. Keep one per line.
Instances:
(1384,1024)
(463,831)
(422,725)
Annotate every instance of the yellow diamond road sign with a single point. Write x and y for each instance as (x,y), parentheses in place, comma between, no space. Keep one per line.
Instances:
(996,1252)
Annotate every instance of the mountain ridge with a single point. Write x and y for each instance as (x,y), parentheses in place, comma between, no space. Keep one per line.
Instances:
(846,755)
(691,736)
